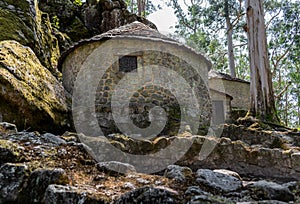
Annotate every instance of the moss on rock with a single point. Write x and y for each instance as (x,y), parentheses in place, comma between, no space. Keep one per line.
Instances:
(9,152)
(30,96)
(24,22)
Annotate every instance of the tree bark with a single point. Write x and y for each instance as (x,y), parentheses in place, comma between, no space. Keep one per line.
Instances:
(298,112)
(141,8)
(286,109)
(229,41)
(262,104)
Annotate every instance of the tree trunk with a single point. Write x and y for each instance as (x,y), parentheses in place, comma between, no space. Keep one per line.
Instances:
(286,109)
(141,8)
(262,104)
(298,112)
(229,41)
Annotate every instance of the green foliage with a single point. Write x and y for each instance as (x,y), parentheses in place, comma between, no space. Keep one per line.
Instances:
(77,2)
(202,25)
(55,22)
(284,46)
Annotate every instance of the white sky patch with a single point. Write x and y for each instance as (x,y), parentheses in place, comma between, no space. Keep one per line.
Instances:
(164,19)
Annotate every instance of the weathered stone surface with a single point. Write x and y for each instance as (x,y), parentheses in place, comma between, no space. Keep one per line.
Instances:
(24,22)
(251,136)
(293,186)
(240,157)
(71,194)
(12,179)
(217,181)
(9,152)
(101,16)
(196,195)
(136,146)
(195,190)
(67,16)
(38,182)
(295,159)
(228,172)
(264,190)
(149,195)
(178,173)
(115,168)
(8,127)
(208,199)
(268,202)
(52,139)
(35,138)
(31,96)
(90,18)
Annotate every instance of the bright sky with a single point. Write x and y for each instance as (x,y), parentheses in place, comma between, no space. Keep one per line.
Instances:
(164,19)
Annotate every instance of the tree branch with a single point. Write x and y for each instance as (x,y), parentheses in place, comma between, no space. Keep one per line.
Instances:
(278,96)
(273,17)
(240,45)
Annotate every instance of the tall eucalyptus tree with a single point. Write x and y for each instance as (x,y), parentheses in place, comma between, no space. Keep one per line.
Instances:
(262,103)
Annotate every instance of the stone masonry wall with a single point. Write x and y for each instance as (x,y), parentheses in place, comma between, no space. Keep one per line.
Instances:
(152,84)
(238,90)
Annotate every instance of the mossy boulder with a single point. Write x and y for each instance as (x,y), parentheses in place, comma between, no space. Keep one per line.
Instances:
(30,96)
(103,15)
(80,21)
(24,22)
(66,16)
(9,152)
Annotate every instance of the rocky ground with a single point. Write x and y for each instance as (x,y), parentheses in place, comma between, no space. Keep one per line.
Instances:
(45,168)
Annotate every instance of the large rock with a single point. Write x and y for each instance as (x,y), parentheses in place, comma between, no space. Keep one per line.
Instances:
(216,181)
(9,152)
(24,22)
(180,174)
(66,16)
(12,180)
(102,16)
(116,168)
(264,190)
(149,195)
(38,182)
(8,128)
(30,96)
(120,17)
(90,18)
(223,153)
(72,194)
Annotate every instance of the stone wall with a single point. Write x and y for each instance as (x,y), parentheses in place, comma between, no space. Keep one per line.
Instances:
(167,75)
(241,157)
(240,91)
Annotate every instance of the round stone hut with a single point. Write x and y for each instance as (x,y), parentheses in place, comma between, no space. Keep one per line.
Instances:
(136,81)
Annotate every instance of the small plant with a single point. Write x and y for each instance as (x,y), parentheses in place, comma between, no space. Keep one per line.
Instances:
(77,2)
(55,22)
